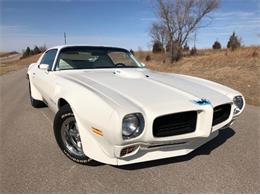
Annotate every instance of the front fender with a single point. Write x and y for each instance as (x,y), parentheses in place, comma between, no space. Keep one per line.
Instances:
(92,111)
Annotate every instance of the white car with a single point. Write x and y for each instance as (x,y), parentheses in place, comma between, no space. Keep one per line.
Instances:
(112,109)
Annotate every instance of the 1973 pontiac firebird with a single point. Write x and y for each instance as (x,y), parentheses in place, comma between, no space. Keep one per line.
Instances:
(112,109)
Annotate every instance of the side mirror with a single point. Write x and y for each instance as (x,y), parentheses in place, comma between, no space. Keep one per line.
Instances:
(143,64)
(44,67)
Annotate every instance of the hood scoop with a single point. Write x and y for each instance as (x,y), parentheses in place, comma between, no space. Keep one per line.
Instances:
(133,74)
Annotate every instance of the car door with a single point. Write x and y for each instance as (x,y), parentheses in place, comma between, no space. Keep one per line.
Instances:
(45,78)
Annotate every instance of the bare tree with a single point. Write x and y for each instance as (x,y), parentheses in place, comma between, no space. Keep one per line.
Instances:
(159,34)
(181,18)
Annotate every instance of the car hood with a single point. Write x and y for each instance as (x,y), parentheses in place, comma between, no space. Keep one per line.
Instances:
(149,89)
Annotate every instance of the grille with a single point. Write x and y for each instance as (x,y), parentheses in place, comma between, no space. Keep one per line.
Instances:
(221,113)
(175,124)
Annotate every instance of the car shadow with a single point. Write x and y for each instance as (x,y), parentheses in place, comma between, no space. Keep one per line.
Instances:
(205,149)
(41,105)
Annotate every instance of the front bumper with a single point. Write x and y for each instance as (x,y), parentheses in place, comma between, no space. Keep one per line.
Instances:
(147,152)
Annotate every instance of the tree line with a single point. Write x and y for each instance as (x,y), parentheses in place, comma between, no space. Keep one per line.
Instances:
(177,20)
(36,50)
(233,43)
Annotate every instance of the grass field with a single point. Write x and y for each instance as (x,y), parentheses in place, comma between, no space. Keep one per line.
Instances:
(17,64)
(6,54)
(239,69)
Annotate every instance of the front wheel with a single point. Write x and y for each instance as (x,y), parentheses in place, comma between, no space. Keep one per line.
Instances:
(67,135)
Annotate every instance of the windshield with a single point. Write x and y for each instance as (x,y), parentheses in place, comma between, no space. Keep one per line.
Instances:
(95,57)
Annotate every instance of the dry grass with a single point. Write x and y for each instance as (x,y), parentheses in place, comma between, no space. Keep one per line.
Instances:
(239,69)
(18,64)
(5,54)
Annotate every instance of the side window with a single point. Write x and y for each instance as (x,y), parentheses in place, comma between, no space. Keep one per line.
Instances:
(49,58)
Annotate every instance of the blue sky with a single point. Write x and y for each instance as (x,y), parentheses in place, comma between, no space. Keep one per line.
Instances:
(122,23)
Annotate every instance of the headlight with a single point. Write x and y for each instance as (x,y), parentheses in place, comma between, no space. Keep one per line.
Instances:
(239,103)
(133,125)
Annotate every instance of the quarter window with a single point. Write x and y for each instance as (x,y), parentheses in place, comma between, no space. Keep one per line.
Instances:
(49,58)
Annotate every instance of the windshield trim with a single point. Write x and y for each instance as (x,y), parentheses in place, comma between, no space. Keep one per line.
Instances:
(114,49)
(101,68)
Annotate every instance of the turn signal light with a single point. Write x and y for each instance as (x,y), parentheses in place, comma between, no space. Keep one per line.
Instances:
(127,150)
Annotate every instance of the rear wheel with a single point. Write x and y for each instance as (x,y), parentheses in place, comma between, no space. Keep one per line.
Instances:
(67,135)
(35,103)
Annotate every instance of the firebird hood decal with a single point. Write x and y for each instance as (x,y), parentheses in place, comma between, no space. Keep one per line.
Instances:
(201,102)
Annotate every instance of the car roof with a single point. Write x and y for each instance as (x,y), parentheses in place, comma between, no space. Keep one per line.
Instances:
(98,46)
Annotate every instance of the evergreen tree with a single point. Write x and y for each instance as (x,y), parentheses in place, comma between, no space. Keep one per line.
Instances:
(27,52)
(31,52)
(216,45)
(36,50)
(233,42)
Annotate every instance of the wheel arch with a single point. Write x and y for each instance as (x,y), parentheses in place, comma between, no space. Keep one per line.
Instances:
(93,145)
(62,102)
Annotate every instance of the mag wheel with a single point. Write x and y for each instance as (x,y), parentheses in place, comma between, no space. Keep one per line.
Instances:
(67,135)
(70,137)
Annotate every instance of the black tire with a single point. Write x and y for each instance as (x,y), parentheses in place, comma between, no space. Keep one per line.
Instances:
(35,103)
(60,122)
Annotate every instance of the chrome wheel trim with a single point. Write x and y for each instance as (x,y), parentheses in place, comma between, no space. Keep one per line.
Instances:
(70,137)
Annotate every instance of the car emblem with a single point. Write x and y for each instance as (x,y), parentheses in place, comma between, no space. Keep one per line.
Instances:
(201,101)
